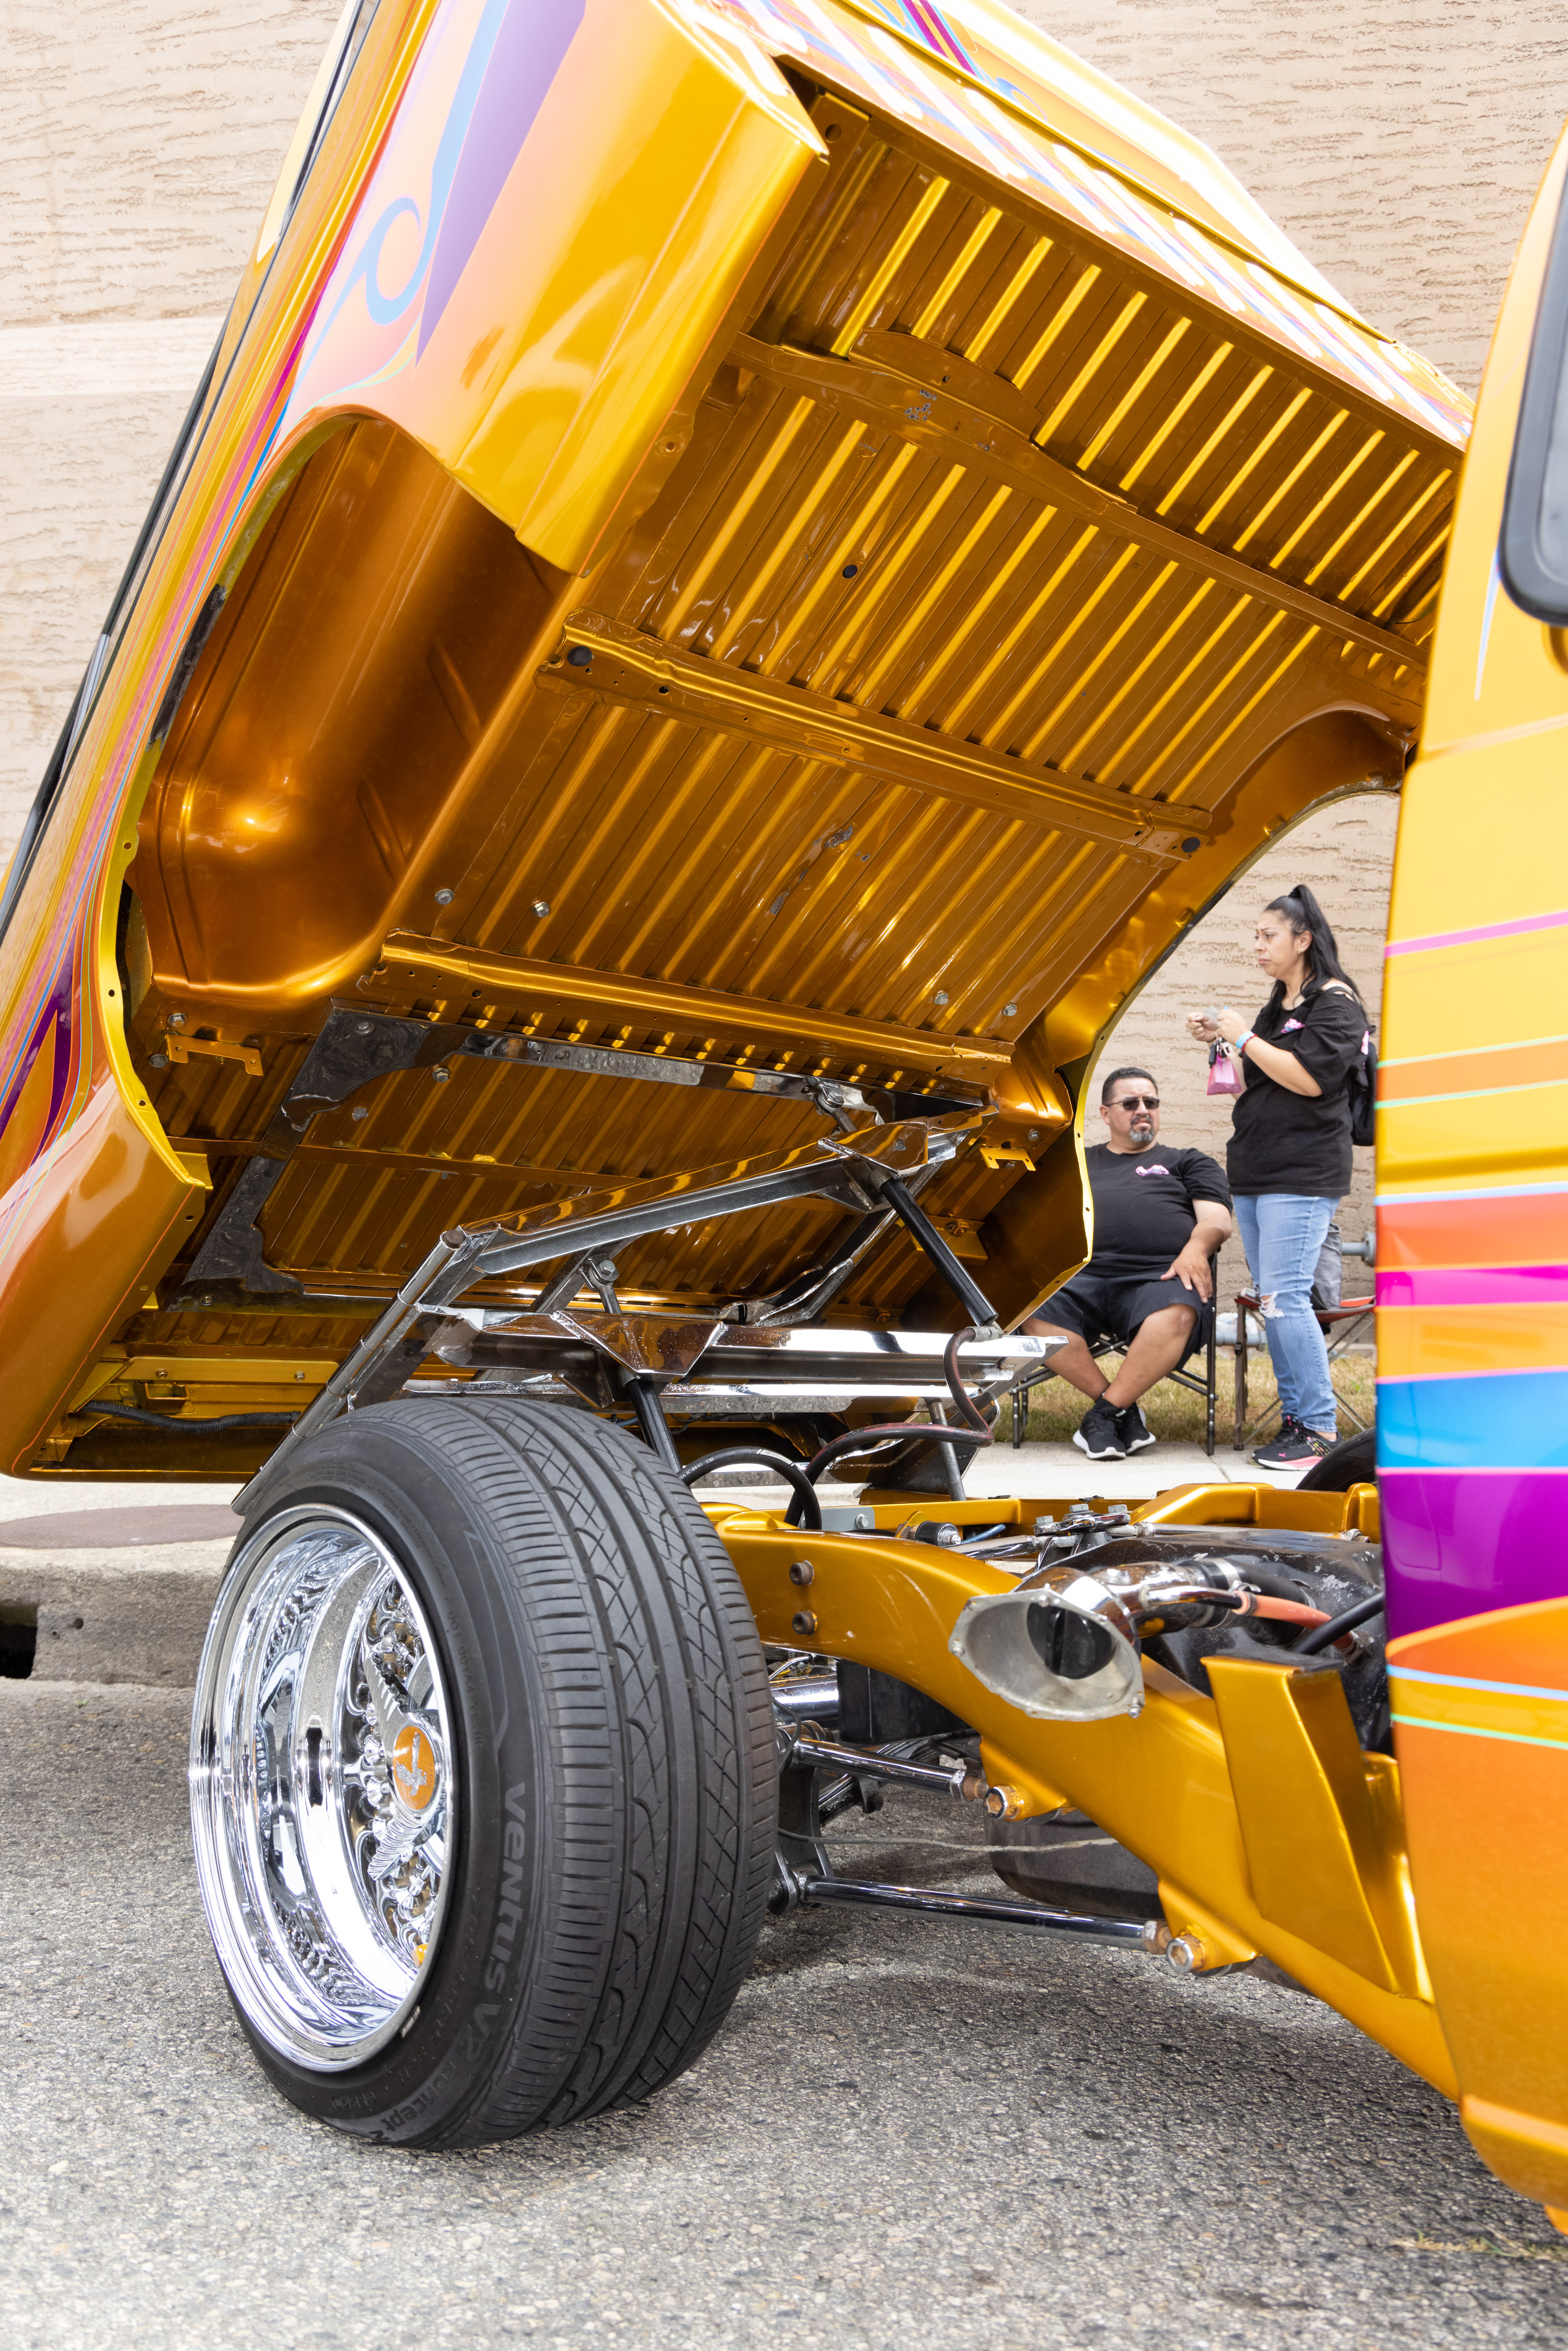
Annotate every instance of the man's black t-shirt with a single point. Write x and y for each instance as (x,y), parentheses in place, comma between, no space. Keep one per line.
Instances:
(1143,1204)
(1282,1141)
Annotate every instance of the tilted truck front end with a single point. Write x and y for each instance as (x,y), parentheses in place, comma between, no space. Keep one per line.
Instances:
(739,578)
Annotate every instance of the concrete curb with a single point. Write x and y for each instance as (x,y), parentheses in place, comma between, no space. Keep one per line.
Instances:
(138,1615)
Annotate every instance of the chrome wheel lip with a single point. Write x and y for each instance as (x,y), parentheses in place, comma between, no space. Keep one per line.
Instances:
(334,1996)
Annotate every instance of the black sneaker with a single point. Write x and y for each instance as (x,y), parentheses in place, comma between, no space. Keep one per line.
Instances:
(1295,1447)
(1135,1430)
(1099,1434)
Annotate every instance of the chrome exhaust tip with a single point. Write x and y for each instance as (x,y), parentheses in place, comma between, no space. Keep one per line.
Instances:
(1064,1644)
(1062,1649)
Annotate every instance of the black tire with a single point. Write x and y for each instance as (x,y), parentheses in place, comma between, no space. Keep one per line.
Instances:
(1352,1462)
(610,1731)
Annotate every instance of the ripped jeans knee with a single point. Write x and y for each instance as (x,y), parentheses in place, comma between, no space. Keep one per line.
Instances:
(1283,1234)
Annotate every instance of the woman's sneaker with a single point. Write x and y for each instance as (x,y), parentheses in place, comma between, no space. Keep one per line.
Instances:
(1099,1434)
(1135,1430)
(1295,1447)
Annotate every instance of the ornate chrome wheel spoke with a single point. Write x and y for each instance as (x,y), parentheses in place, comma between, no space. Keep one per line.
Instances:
(322,1788)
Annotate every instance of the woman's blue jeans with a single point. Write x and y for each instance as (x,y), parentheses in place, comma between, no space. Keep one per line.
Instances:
(1282,1233)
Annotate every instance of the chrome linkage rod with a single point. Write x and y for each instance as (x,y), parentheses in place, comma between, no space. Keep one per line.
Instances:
(804,1871)
(962,1782)
(397,1343)
(1151,1935)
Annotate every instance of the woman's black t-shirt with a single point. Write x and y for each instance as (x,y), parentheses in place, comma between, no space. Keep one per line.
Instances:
(1282,1141)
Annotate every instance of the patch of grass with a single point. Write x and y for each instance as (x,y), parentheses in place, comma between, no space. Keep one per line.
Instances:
(1175,1414)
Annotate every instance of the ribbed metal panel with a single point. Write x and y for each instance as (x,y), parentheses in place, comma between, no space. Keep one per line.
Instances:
(845,556)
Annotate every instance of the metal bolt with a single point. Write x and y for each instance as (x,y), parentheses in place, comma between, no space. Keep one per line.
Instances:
(176,1021)
(362,1028)
(541,906)
(803,1623)
(158,1060)
(300,1375)
(801,1571)
(1005,1803)
(940,997)
(1007,1011)
(443,897)
(360,1113)
(1186,1954)
(440,1074)
(1034,1135)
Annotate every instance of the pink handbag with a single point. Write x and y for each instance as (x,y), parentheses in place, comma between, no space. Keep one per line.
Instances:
(1222,1078)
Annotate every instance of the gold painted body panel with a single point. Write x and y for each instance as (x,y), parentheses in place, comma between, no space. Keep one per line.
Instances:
(1162,1784)
(989,610)
(813,596)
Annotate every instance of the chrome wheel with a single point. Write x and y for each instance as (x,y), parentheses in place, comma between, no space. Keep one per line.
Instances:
(322,1795)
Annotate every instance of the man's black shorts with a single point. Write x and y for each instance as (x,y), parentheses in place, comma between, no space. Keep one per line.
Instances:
(1111,1305)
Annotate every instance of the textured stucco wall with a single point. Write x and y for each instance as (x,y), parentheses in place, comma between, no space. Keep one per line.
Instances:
(141,142)
(1398,141)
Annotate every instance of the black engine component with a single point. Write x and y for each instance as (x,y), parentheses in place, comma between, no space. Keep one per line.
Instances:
(875,1711)
(1327,1572)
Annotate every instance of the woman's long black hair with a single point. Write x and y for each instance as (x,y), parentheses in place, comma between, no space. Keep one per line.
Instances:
(1303,912)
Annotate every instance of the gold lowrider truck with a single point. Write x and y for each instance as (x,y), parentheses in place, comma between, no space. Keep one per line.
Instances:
(741,571)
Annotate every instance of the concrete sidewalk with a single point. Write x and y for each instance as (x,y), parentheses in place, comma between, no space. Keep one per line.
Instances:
(115,1584)
(1053,1474)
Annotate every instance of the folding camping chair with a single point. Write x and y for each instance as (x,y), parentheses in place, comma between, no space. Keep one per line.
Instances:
(1204,1386)
(1341,1325)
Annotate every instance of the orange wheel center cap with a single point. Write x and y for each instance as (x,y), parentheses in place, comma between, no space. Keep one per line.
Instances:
(413,1767)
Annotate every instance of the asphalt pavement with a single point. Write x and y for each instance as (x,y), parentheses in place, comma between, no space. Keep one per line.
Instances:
(909,2134)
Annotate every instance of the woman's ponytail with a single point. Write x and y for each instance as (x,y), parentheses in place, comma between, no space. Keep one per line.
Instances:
(1301,910)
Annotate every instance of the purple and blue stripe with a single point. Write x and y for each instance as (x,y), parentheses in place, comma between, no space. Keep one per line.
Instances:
(1473,1474)
(1514,930)
(1489,1285)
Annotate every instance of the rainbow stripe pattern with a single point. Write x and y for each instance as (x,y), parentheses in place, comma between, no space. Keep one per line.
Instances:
(1472,1280)
(1522,1714)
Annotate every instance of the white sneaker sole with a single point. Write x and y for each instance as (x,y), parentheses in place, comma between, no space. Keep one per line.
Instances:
(1110,1452)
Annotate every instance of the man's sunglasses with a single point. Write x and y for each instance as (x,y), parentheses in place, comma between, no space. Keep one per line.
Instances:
(1137,1101)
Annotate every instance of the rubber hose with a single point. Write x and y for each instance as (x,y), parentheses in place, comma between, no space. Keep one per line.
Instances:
(859,1440)
(1287,1611)
(732,1455)
(172,1420)
(1322,1636)
(961,1396)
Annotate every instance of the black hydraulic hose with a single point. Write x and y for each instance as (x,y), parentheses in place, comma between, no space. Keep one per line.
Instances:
(857,1440)
(201,1427)
(861,1440)
(732,1457)
(1322,1636)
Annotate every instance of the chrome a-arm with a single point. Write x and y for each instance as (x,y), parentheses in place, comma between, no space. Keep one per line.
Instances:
(862,1171)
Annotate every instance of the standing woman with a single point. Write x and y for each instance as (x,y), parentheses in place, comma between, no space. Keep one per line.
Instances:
(1290,1155)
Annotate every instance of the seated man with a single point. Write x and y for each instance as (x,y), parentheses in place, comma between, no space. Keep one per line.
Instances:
(1159,1215)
